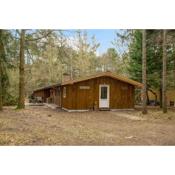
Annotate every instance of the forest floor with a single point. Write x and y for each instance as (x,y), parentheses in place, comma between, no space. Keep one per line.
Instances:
(39,125)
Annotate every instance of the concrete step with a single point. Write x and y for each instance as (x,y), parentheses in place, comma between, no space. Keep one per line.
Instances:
(104,109)
(51,105)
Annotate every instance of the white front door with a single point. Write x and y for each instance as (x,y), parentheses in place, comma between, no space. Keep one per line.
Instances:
(104,96)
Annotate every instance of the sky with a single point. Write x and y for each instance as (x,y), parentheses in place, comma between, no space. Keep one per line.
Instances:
(103,36)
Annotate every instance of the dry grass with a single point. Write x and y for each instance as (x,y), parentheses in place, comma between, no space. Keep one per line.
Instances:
(43,126)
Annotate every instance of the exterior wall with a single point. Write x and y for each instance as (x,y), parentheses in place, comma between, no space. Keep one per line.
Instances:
(57,96)
(42,93)
(170,96)
(121,94)
(50,95)
(39,93)
(66,102)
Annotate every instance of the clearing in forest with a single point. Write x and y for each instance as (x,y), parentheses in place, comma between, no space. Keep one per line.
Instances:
(43,126)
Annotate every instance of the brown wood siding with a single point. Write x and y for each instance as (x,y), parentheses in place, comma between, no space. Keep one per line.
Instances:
(121,94)
(84,98)
(67,101)
(170,95)
(45,93)
(57,97)
(39,93)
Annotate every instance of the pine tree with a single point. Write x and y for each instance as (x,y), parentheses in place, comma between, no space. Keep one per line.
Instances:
(164,73)
(2,55)
(21,100)
(144,77)
(3,67)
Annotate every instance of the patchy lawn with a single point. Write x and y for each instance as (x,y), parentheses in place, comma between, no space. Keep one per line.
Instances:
(43,126)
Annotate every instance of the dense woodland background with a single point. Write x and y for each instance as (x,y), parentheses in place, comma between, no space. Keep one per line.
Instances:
(41,57)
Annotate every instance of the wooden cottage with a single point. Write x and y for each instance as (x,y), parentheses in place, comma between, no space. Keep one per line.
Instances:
(101,91)
(170,95)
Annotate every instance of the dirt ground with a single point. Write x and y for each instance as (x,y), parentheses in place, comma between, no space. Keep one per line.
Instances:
(39,125)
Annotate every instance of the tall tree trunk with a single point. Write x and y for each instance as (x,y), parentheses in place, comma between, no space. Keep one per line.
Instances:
(2,55)
(147,96)
(164,72)
(144,94)
(160,94)
(174,63)
(1,98)
(71,65)
(21,100)
(160,89)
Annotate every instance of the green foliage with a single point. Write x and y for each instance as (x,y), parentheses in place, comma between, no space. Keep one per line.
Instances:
(135,53)
(10,99)
(4,81)
(110,61)
(51,53)
(154,58)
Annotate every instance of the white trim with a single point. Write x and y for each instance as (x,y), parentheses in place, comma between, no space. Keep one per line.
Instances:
(51,105)
(75,110)
(127,109)
(108,94)
(86,110)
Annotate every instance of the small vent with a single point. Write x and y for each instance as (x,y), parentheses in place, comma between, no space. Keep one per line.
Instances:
(124,88)
(84,87)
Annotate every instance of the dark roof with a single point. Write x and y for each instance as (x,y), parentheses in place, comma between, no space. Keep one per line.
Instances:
(48,87)
(102,74)
(107,74)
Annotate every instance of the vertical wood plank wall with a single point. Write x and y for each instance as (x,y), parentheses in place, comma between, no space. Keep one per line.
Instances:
(42,93)
(121,94)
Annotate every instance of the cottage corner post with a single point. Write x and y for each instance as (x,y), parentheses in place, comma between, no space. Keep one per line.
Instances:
(144,76)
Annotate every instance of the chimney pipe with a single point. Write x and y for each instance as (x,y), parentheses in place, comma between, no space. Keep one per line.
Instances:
(66,77)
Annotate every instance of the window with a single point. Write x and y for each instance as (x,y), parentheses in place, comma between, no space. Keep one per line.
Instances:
(64,92)
(104,92)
